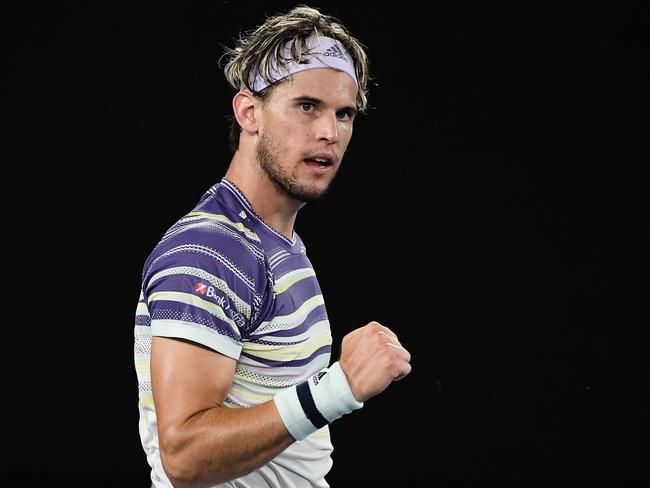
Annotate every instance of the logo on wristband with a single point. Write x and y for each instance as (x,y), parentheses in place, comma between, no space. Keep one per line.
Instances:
(317,377)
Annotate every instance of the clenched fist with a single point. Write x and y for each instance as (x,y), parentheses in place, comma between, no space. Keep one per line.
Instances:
(372,358)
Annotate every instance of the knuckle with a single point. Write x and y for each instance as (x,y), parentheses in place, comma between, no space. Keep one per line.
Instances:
(390,348)
(395,371)
(391,360)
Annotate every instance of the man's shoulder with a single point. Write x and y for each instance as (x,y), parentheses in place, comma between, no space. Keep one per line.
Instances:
(218,223)
(216,217)
(214,238)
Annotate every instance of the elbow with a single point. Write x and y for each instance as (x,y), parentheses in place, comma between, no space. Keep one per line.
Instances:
(179,475)
(177,462)
(185,463)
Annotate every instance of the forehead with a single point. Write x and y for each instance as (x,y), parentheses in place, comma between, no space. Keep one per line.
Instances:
(329,85)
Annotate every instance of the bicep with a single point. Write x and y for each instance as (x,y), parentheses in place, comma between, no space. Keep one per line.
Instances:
(187,378)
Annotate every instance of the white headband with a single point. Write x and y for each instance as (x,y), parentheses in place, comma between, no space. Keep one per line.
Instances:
(322,52)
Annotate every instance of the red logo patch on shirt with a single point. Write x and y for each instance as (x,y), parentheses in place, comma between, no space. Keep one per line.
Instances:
(201,288)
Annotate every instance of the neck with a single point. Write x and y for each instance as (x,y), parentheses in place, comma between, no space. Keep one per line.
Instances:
(270,202)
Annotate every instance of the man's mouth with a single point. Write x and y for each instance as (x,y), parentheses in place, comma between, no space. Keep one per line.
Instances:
(321,162)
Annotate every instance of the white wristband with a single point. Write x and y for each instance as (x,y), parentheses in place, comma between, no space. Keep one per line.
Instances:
(320,400)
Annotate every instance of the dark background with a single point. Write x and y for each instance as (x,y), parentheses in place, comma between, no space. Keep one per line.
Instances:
(492,210)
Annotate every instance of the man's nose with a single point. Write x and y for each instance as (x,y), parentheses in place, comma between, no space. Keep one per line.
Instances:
(327,128)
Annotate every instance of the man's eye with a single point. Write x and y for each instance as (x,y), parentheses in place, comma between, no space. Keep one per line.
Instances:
(306,106)
(346,115)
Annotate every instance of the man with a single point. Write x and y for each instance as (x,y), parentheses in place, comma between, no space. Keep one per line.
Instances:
(232,340)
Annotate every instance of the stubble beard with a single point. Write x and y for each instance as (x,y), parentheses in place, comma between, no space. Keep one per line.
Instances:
(281,178)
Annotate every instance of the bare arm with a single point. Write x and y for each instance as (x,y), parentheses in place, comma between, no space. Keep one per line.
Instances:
(201,440)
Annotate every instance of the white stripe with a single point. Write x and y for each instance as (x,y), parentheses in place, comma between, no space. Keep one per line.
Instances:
(273,266)
(197,333)
(142,331)
(277,256)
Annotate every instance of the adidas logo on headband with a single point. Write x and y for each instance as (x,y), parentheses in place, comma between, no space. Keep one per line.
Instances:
(334,51)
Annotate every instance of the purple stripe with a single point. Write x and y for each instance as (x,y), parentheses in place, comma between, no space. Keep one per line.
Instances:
(300,292)
(176,282)
(308,405)
(316,315)
(170,310)
(286,364)
(142,320)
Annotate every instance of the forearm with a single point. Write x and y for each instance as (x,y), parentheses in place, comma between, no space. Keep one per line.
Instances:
(220,444)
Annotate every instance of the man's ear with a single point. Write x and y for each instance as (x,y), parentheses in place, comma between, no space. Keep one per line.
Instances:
(245,106)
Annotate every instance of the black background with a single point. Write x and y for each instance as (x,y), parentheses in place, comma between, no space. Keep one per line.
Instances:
(491,209)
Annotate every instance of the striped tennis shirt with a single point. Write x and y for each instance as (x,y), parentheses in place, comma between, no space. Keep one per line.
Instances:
(223,278)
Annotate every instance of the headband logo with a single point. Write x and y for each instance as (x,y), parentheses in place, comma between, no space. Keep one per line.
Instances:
(314,55)
(334,51)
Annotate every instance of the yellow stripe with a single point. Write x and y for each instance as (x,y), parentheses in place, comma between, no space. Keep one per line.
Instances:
(142,368)
(223,218)
(320,434)
(141,363)
(177,296)
(142,309)
(299,277)
(290,353)
(146,399)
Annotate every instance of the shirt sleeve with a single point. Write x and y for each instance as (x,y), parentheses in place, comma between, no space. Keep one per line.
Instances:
(208,294)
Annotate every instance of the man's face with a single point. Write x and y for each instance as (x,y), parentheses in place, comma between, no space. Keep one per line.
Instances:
(305,126)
